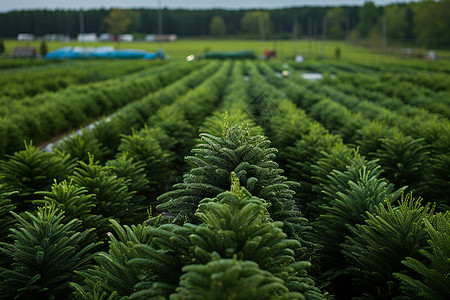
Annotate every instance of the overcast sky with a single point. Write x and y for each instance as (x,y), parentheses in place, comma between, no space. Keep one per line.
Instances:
(7,5)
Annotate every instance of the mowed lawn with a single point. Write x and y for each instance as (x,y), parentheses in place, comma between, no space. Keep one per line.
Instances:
(286,49)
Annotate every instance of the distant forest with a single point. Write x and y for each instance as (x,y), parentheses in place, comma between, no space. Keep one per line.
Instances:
(424,23)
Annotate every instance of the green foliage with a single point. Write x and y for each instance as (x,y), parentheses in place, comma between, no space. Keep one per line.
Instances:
(237,225)
(217,26)
(161,261)
(431,18)
(347,198)
(337,118)
(337,53)
(126,167)
(397,21)
(230,279)
(304,154)
(32,170)
(404,161)
(336,18)
(370,136)
(82,145)
(288,126)
(368,15)
(43,49)
(180,135)
(45,255)
(234,109)
(251,23)
(6,221)
(74,201)
(117,21)
(145,147)
(107,134)
(217,123)
(433,268)
(2,46)
(335,158)
(376,249)
(440,177)
(215,158)
(148,261)
(112,274)
(200,102)
(111,195)
(42,116)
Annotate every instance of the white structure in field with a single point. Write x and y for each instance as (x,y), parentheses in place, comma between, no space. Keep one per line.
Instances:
(25,37)
(57,37)
(87,37)
(164,37)
(106,37)
(126,37)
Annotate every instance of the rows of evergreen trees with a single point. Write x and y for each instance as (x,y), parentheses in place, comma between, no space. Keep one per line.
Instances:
(423,22)
(240,218)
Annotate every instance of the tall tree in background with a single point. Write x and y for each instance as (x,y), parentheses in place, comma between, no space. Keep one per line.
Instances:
(256,23)
(217,26)
(432,22)
(396,22)
(336,19)
(135,21)
(368,19)
(117,21)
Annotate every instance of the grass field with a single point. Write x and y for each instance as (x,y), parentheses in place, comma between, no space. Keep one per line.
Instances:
(184,47)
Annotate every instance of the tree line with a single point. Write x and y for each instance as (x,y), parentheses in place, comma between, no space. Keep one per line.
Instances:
(424,23)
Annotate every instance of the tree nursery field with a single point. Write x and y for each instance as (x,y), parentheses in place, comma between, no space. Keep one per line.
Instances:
(230,179)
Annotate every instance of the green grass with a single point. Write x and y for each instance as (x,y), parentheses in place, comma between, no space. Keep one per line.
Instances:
(184,47)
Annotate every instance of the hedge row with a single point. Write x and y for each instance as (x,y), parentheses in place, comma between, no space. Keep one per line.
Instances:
(18,83)
(55,113)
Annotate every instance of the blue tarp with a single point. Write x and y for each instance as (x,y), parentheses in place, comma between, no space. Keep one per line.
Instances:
(60,53)
(157,54)
(102,52)
(128,53)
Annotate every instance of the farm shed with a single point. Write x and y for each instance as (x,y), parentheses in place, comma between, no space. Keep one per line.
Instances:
(24,52)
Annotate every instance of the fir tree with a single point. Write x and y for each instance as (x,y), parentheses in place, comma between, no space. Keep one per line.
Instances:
(44,255)
(43,49)
(430,279)
(404,161)
(112,275)
(6,220)
(148,261)
(32,170)
(250,157)
(82,145)
(75,201)
(111,195)
(236,224)
(231,279)
(134,175)
(145,147)
(347,199)
(376,249)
